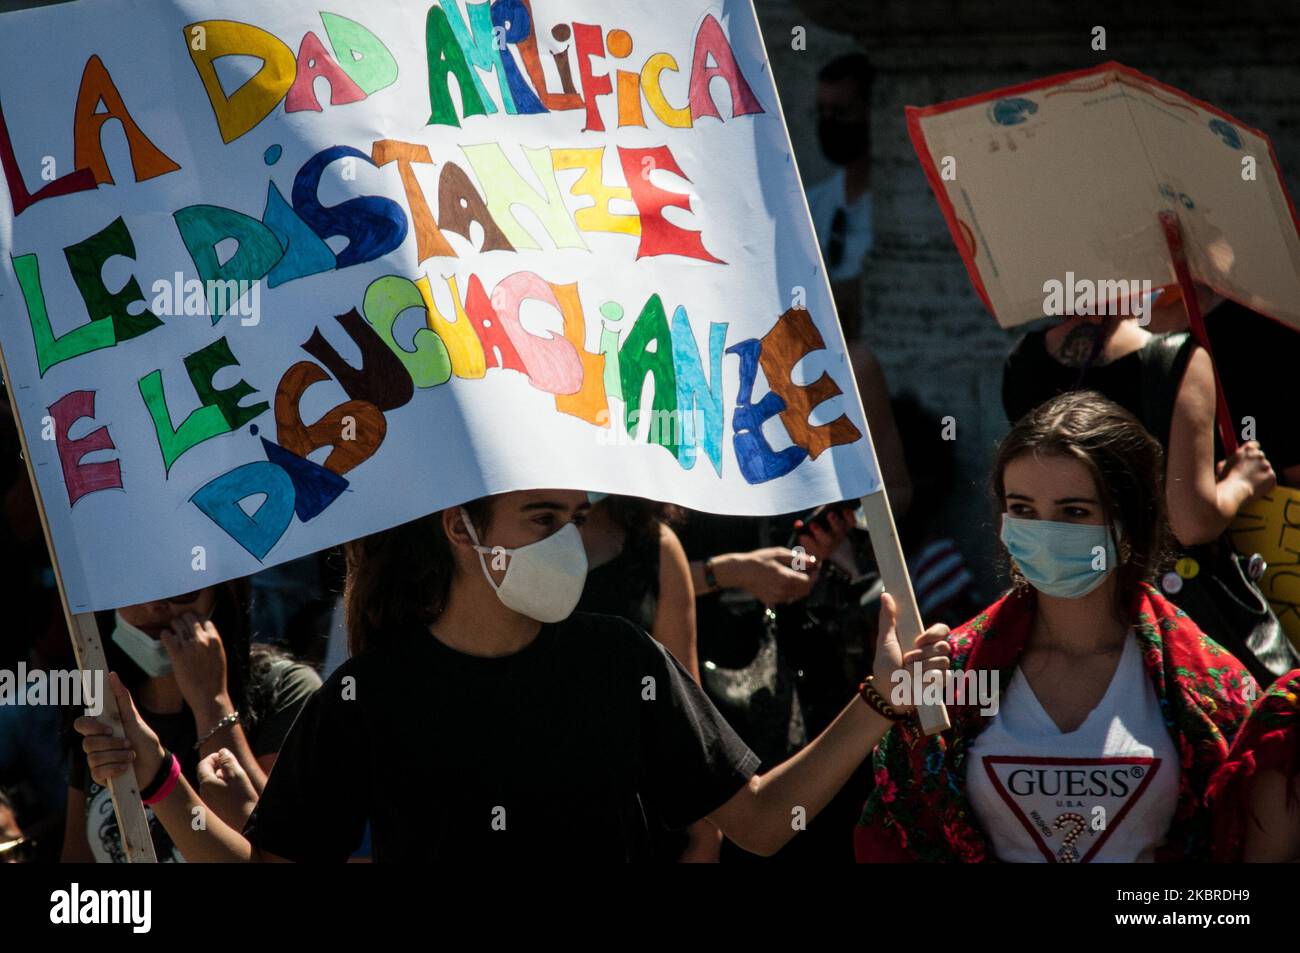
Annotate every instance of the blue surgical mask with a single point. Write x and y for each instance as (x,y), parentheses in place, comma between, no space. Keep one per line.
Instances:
(1067,560)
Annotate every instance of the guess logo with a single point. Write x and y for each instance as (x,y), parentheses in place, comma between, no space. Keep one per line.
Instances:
(1070,806)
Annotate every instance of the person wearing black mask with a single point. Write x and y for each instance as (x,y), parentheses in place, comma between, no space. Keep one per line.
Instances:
(841,205)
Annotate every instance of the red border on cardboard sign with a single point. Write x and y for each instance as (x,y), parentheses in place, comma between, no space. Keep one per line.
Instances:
(915,114)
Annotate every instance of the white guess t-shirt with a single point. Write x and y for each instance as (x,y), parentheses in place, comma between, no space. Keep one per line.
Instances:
(1105,792)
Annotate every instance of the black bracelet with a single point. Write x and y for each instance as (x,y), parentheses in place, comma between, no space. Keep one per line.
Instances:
(710,580)
(159,779)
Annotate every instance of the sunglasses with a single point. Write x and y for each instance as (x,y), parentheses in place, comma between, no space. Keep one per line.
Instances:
(187,599)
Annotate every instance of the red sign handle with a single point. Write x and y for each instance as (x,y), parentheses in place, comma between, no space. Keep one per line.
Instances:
(1196,321)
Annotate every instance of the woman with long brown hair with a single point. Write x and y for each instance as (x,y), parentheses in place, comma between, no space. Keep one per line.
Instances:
(1113,708)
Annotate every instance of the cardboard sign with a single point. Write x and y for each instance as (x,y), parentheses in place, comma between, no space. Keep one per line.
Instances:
(1051,190)
(1271,527)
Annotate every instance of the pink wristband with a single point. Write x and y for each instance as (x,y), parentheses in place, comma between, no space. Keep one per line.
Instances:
(173,776)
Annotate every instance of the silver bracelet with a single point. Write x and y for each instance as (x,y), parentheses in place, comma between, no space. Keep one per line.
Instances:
(226,722)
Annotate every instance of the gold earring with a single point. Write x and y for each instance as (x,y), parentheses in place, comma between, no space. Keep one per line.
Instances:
(1017,577)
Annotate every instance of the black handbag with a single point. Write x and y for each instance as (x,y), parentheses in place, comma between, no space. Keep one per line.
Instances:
(1225,601)
(752,684)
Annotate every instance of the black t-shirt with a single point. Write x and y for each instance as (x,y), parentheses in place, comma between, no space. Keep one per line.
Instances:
(1031,376)
(628,585)
(546,753)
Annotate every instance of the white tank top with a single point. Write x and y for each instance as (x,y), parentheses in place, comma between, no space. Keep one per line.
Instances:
(1105,792)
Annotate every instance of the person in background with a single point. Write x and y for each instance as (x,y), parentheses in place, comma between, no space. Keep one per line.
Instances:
(637,570)
(1256,793)
(278,688)
(782,637)
(537,730)
(740,553)
(1091,665)
(841,205)
(279,593)
(1256,359)
(944,587)
(290,604)
(201,689)
(743,568)
(14,847)
(32,766)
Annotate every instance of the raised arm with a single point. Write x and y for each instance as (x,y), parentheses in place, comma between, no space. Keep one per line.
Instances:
(767,574)
(181,810)
(1201,501)
(199,663)
(759,816)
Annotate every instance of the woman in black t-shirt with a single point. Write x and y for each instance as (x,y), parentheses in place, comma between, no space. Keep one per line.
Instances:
(479,719)
(204,692)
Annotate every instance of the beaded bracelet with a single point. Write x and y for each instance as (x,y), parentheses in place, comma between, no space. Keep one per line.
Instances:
(873,698)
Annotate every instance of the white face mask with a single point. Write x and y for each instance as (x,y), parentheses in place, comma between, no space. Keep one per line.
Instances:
(544,580)
(141,648)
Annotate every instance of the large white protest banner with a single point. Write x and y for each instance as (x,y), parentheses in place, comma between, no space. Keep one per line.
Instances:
(275,276)
(1058,184)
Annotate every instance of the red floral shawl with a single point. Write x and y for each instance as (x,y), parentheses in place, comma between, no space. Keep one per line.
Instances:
(1270,740)
(918,810)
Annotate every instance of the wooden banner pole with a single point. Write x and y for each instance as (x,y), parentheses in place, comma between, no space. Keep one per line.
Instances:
(137,844)
(876,508)
(898,583)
